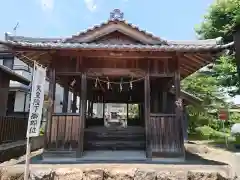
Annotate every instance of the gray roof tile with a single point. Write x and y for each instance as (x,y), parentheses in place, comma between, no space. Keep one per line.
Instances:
(170,47)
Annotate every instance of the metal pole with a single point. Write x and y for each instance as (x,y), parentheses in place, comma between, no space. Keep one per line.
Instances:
(226,138)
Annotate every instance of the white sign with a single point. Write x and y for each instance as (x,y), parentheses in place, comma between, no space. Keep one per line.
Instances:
(37,98)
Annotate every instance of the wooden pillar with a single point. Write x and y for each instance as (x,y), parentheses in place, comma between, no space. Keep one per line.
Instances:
(147,113)
(83,102)
(4,89)
(74,102)
(50,108)
(127,111)
(65,97)
(178,103)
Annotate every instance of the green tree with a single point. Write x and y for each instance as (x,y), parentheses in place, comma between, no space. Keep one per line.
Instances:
(223,16)
(220,21)
(221,77)
(206,88)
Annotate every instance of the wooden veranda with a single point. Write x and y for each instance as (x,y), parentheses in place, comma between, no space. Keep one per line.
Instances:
(116,62)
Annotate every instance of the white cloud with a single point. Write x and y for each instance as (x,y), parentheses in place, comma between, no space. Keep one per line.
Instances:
(47,4)
(91,5)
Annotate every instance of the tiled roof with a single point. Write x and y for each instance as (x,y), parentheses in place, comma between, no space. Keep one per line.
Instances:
(123,22)
(13,75)
(168,47)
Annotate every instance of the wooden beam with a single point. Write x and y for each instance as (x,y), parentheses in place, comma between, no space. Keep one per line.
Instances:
(161,75)
(147,113)
(178,103)
(83,101)
(188,68)
(68,73)
(191,62)
(204,59)
(192,58)
(107,53)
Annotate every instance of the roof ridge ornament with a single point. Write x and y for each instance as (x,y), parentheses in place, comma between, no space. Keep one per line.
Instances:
(116,14)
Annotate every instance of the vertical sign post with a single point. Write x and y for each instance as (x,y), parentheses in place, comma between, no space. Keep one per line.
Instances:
(223,116)
(35,112)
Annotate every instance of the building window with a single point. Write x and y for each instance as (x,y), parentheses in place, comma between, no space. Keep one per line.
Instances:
(8,63)
(11,102)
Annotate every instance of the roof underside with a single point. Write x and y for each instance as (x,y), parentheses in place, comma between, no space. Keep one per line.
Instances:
(196,54)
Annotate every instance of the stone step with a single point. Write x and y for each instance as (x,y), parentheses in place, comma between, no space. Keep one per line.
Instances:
(57,154)
(114,145)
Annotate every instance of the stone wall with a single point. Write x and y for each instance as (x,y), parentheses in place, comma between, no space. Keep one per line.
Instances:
(105,174)
(17,149)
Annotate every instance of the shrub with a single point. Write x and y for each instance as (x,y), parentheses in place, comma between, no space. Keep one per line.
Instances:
(218,135)
(41,131)
(204,132)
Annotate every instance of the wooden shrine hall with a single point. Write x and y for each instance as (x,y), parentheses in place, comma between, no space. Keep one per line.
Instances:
(116,62)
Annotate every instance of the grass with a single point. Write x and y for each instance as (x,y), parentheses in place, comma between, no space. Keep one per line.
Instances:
(219,142)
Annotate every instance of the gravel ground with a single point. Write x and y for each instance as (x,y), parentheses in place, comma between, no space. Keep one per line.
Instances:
(216,154)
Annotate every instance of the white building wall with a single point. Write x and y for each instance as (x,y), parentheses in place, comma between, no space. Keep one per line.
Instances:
(19,101)
(20,96)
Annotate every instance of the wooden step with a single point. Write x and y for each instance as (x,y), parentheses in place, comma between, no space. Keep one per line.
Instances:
(114,145)
(114,136)
(116,130)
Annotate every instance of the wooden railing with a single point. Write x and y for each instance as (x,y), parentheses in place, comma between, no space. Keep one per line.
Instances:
(165,136)
(12,128)
(65,132)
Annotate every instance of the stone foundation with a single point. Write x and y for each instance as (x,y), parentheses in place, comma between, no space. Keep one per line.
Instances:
(117,174)
(17,149)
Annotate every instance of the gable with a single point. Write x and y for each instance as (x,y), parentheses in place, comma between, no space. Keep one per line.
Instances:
(112,26)
(116,38)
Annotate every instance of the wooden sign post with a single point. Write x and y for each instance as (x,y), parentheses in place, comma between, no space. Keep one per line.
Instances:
(35,112)
(223,116)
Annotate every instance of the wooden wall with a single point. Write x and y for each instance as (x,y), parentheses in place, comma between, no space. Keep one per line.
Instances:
(65,132)
(4,89)
(166,138)
(164,117)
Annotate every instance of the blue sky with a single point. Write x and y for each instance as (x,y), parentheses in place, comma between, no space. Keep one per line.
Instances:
(169,19)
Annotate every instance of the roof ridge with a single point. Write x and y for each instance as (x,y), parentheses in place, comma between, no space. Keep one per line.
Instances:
(104,23)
